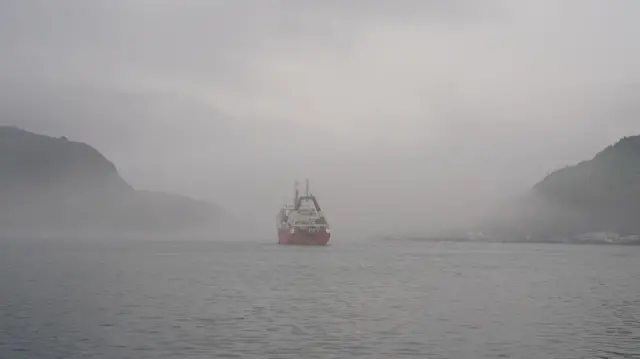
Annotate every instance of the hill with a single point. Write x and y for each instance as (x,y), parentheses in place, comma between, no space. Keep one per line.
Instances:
(603,193)
(56,186)
(597,195)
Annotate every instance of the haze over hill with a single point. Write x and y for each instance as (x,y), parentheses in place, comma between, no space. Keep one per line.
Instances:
(603,193)
(53,186)
(596,195)
(407,116)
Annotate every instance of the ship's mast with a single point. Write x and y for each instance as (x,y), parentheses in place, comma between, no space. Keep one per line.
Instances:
(295,195)
(307,187)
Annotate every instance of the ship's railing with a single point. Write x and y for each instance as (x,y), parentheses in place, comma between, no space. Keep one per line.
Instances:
(303,225)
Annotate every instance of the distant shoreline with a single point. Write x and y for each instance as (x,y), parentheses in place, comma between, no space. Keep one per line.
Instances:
(550,241)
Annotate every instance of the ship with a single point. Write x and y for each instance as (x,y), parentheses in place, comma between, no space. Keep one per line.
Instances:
(303,222)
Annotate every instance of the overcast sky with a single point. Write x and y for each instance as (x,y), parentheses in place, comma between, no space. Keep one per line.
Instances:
(408,114)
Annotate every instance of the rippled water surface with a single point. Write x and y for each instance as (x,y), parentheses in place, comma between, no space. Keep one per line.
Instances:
(370,300)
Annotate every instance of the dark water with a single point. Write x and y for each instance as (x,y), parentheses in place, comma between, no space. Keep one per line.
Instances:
(369,300)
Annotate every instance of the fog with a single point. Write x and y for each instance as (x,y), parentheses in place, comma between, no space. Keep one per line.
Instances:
(413,116)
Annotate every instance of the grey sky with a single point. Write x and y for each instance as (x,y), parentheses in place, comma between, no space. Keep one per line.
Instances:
(411,113)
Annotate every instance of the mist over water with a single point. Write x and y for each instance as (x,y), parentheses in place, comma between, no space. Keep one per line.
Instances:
(145,226)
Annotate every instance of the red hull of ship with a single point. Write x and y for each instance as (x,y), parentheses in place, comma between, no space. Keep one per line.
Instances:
(301,238)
